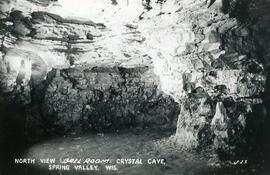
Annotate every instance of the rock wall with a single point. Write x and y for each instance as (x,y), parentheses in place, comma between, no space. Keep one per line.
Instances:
(253,19)
(221,76)
(103,98)
(71,78)
(142,61)
(225,107)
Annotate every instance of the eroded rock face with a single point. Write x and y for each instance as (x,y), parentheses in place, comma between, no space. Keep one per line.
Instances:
(142,62)
(228,87)
(100,98)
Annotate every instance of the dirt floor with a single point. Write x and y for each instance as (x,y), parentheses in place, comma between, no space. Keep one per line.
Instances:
(138,144)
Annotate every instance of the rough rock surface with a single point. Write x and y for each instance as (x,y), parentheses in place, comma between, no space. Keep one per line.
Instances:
(142,62)
(100,98)
(223,80)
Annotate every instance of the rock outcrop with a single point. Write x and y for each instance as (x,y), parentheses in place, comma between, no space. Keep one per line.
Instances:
(134,63)
(103,98)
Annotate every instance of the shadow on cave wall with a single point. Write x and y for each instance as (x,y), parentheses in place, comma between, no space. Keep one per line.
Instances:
(237,9)
(253,15)
(266,128)
(12,132)
(246,11)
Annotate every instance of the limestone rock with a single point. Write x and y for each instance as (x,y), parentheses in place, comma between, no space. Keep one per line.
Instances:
(141,63)
(76,100)
(220,121)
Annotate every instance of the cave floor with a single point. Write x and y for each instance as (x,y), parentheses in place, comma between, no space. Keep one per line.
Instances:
(137,144)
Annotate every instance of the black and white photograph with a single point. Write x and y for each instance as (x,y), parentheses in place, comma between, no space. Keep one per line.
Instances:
(134,87)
